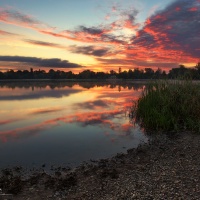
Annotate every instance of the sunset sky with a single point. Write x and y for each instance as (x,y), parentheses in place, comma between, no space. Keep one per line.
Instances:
(99,35)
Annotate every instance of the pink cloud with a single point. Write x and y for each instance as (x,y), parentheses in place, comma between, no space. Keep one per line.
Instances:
(19,19)
(24,131)
(193,9)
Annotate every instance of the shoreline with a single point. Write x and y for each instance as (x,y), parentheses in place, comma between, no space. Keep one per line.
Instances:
(162,169)
(78,80)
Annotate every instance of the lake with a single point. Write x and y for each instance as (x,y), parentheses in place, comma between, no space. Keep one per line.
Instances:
(65,123)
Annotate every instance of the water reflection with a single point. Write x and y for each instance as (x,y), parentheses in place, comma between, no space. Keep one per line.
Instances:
(65,122)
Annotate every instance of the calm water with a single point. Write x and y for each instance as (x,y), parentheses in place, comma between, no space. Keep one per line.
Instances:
(63,123)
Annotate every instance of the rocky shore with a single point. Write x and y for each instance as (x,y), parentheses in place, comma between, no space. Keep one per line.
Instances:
(165,168)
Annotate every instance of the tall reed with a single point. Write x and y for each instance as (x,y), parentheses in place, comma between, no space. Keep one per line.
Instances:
(169,106)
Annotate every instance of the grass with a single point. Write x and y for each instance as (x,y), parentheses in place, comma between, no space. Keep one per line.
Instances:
(169,106)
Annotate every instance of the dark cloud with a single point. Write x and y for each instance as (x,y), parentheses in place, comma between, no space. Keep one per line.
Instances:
(90,50)
(90,35)
(176,28)
(91,30)
(110,38)
(46,44)
(53,62)
(44,111)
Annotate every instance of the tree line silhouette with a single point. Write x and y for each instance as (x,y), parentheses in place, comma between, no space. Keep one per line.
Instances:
(147,73)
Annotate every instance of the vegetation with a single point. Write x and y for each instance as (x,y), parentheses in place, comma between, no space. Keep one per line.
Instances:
(169,106)
(136,73)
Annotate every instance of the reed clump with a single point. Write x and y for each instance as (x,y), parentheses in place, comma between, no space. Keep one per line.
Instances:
(169,106)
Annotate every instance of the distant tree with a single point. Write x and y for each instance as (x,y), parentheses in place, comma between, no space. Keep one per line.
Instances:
(124,74)
(130,74)
(101,75)
(51,74)
(197,67)
(158,73)
(10,74)
(164,74)
(19,74)
(86,74)
(112,72)
(69,75)
(137,74)
(2,75)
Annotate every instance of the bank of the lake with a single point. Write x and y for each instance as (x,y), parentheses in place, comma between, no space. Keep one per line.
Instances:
(165,168)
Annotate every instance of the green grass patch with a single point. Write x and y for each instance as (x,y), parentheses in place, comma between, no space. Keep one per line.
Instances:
(168,106)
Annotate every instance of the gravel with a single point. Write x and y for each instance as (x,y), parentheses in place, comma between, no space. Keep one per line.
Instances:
(165,168)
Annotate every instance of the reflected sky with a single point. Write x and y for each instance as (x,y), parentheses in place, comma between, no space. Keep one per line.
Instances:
(65,123)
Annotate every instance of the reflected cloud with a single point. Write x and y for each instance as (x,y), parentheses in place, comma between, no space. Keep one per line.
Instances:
(88,118)
(107,111)
(5,122)
(38,94)
(25,132)
(104,120)
(92,104)
(127,128)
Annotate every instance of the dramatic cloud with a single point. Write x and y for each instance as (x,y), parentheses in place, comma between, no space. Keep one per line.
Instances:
(167,38)
(34,61)
(89,35)
(171,34)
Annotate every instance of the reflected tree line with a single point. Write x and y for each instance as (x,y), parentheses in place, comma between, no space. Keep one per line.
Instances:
(147,73)
(55,85)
